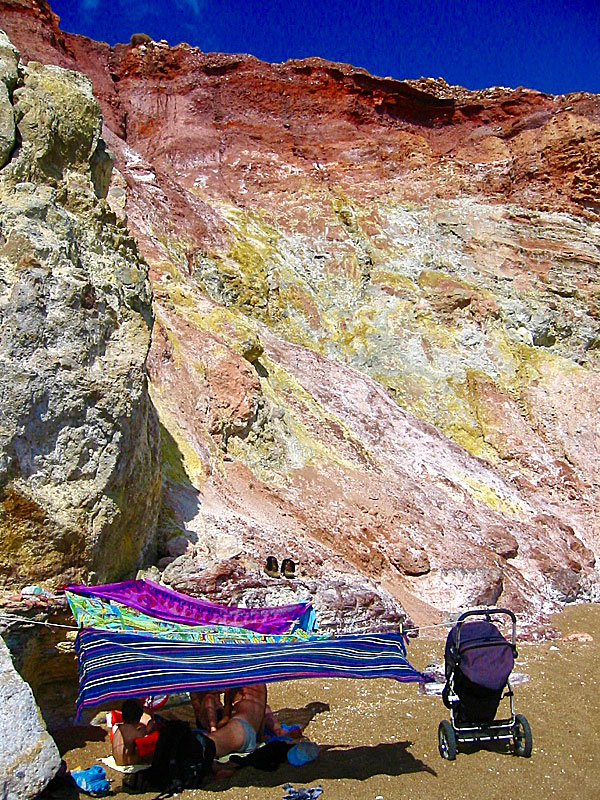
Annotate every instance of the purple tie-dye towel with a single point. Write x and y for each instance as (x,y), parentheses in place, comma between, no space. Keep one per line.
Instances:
(164,603)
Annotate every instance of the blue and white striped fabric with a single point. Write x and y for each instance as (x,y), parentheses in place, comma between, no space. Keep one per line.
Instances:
(114,665)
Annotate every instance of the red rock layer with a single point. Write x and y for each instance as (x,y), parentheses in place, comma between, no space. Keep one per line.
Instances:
(179,107)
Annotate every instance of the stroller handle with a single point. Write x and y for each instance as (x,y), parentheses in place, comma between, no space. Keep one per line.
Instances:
(488,613)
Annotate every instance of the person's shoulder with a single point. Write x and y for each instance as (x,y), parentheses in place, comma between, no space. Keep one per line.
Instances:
(256,689)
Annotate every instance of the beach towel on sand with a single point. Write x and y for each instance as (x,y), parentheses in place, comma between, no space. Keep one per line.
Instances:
(126,769)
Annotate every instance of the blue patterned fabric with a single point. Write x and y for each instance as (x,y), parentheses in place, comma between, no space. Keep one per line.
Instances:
(107,615)
(163,603)
(113,666)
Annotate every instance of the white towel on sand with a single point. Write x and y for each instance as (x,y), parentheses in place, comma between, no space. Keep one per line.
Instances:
(127,769)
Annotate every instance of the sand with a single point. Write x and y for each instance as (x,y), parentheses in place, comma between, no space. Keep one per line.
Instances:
(379,738)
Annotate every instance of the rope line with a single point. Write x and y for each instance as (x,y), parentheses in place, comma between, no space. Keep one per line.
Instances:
(16,618)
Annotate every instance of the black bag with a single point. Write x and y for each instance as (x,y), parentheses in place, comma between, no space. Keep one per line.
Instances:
(181,759)
(267,757)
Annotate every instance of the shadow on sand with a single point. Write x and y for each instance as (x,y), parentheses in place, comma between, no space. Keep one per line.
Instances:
(77,736)
(333,762)
(301,716)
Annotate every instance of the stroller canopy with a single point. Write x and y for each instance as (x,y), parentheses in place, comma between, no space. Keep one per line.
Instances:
(484,656)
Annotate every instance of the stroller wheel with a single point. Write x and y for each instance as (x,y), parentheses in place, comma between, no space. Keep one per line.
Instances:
(446,740)
(522,738)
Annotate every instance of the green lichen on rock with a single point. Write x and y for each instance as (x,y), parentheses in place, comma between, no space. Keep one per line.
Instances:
(59,124)
(9,62)
(9,71)
(420,297)
(240,277)
(510,506)
(181,462)
(7,125)
(171,458)
(79,469)
(280,436)
(283,438)
(174,474)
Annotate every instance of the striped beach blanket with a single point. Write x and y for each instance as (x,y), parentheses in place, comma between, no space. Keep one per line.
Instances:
(113,666)
(166,604)
(96,612)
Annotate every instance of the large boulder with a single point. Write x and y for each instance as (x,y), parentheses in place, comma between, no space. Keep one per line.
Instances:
(8,78)
(29,758)
(79,462)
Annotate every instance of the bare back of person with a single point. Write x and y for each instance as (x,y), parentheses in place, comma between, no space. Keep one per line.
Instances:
(249,703)
(123,744)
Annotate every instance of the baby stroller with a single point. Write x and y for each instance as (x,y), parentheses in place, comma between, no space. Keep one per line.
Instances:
(478,662)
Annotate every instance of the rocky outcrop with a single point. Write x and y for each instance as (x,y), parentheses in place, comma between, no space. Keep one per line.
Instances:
(29,758)
(376,339)
(342,602)
(79,471)
(8,78)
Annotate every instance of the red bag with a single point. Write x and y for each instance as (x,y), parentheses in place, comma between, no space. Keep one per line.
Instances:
(145,744)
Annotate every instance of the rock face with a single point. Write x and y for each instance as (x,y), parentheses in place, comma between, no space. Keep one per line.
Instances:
(376,342)
(29,757)
(79,470)
(342,603)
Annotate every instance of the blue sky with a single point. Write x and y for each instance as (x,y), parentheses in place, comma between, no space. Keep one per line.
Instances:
(551,45)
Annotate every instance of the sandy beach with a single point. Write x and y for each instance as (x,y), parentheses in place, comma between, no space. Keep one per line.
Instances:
(379,739)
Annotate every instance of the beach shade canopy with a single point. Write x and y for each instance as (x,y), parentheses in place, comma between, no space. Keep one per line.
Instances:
(113,665)
(162,603)
(108,615)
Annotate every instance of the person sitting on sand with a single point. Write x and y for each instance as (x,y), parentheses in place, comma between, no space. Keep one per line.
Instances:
(136,723)
(246,713)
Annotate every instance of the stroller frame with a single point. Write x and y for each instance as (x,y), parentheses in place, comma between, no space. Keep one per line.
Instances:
(515,729)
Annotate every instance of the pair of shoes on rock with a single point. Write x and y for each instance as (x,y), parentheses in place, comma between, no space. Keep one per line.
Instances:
(288,568)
